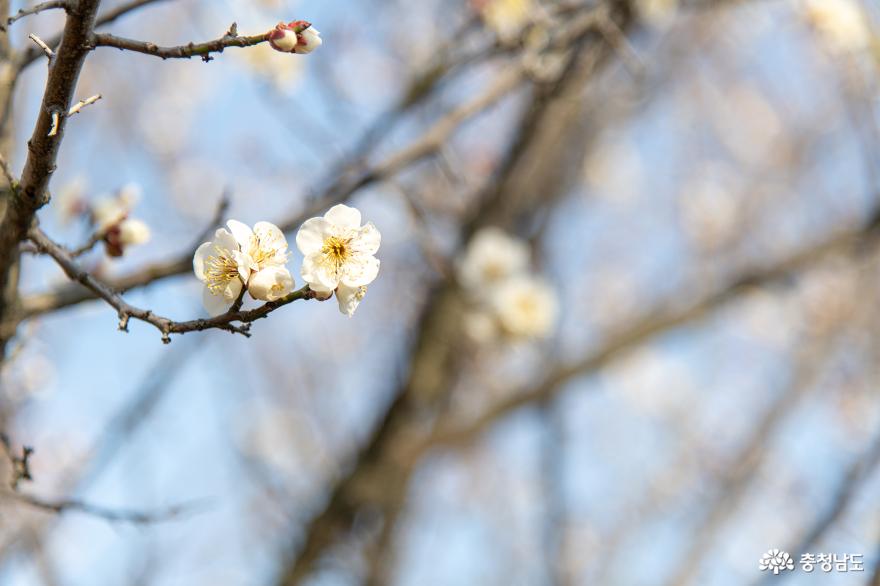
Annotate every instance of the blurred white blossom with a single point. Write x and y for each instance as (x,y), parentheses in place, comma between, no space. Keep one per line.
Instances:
(507,18)
(842,24)
(526,306)
(491,257)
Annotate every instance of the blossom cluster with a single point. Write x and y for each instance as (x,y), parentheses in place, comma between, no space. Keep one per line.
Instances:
(339,259)
(507,298)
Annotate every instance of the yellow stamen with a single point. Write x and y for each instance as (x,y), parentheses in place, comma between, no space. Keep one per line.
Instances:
(336,250)
(220,270)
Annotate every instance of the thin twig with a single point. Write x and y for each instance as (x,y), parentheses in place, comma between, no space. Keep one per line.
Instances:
(203,50)
(42,45)
(21,469)
(7,172)
(31,55)
(75,109)
(105,513)
(41,7)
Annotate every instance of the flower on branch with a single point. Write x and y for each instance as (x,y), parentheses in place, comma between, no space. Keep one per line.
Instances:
(243,257)
(223,268)
(298,36)
(112,221)
(339,255)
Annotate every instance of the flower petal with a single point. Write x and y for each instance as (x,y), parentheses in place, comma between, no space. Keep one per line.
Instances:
(318,274)
(367,240)
(242,234)
(349,298)
(215,304)
(310,238)
(202,253)
(270,283)
(359,270)
(343,216)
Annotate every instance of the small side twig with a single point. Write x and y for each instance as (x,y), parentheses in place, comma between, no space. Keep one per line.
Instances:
(21,469)
(50,54)
(41,7)
(82,104)
(7,172)
(105,513)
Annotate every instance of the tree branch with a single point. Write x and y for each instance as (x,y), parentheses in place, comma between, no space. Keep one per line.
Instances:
(31,55)
(41,7)
(163,324)
(105,513)
(203,50)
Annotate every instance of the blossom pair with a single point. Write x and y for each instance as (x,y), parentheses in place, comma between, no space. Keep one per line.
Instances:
(298,36)
(243,257)
(509,300)
(338,259)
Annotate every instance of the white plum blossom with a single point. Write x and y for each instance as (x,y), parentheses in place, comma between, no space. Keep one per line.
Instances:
(239,257)
(526,307)
(491,257)
(841,23)
(339,255)
(223,268)
(265,248)
(270,284)
(295,37)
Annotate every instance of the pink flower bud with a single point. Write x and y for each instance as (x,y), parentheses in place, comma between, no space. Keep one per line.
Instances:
(298,36)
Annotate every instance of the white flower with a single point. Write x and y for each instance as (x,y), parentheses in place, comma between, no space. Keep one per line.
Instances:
(270,284)
(223,268)
(295,37)
(841,23)
(525,306)
(349,298)
(338,251)
(265,249)
(491,257)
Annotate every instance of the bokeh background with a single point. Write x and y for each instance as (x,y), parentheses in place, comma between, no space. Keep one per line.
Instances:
(697,181)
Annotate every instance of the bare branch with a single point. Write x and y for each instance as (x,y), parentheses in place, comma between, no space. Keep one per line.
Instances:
(111,515)
(203,50)
(41,7)
(164,325)
(28,57)
(20,464)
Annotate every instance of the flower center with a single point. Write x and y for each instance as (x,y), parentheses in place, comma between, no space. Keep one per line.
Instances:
(336,250)
(262,252)
(219,271)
